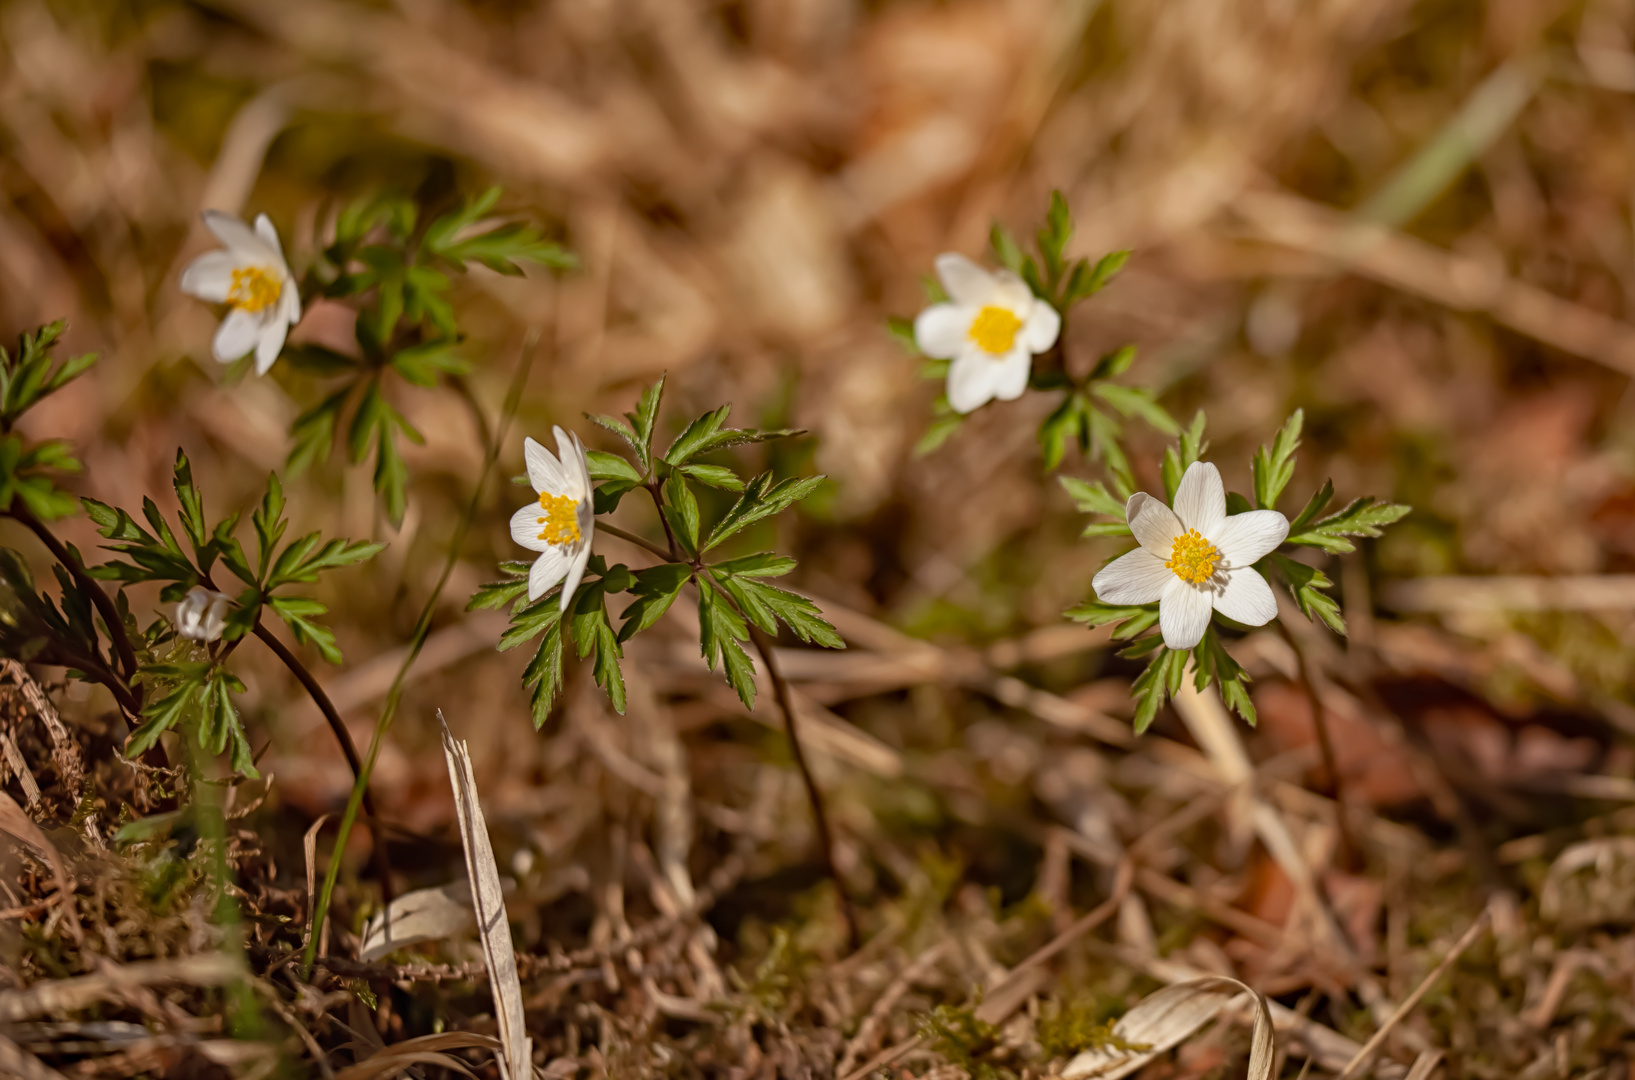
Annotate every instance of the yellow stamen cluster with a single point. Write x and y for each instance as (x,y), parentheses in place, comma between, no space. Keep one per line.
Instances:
(561,519)
(994,330)
(1193,558)
(255,288)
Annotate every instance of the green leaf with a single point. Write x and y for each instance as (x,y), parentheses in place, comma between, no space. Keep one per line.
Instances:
(318,360)
(761,498)
(696,436)
(1177,459)
(544,674)
(303,560)
(943,425)
(423,364)
(643,420)
(1114,364)
(192,503)
(1132,401)
(1274,465)
(1212,663)
(1086,281)
(1362,517)
(902,331)
(370,415)
(1135,619)
(1005,248)
(592,632)
(1306,584)
(762,604)
(615,425)
(681,511)
(391,477)
(607,497)
(716,476)
(603,466)
(314,432)
(655,588)
(295,610)
(1092,498)
(497,594)
(1054,236)
(1058,427)
(1319,499)
(765,564)
(720,631)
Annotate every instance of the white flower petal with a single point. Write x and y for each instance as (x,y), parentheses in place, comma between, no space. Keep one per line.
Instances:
(1041,328)
(271,342)
(1136,577)
(240,240)
(1012,293)
(548,569)
(966,283)
(269,236)
(942,330)
(1246,598)
(1012,378)
(1243,539)
(1200,500)
(576,570)
(237,335)
(209,277)
(525,528)
(972,379)
(572,458)
(1183,613)
(544,471)
(1155,525)
(289,302)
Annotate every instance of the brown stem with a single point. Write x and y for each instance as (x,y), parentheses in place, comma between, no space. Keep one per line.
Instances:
(1348,853)
(652,487)
(383,867)
(820,816)
(104,605)
(645,545)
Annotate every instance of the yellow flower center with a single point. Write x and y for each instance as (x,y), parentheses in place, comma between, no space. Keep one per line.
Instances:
(994,330)
(561,519)
(1193,558)
(255,288)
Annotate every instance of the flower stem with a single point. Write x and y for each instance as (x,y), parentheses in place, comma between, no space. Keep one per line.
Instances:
(814,795)
(320,908)
(104,605)
(383,866)
(1347,856)
(634,539)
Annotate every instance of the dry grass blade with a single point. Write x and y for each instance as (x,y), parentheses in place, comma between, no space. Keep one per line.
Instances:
(19,1064)
(426,1050)
(66,995)
(488,900)
(1164,1019)
(1424,1065)
(14,822)
(422,915)
(1408,1003)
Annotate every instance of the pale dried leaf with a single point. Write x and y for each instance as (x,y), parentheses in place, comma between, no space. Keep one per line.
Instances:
(426,1050)
(1169,1016)
(14,822)
(422,915)
(488,900)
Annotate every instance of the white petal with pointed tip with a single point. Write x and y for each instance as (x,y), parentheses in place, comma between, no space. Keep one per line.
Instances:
(268,235)
(1155,525)
(972,379)
(571,456)
(1012,378)
(1136,577)
(237,335)
(525,528)
(1200,499)
(1183,613)
(1245,538)
(240,239)
(209,277)
(1246,598)
(271,342)
(576,570)
(966,283)
(551,567)
(1040,330)
(544,471)
(942,330)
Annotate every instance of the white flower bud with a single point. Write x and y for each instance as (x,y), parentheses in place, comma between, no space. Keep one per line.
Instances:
(202,614)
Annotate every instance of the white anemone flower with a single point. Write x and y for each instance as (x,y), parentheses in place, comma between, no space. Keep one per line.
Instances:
(559,526)
(252,278)
(990,329)
(1194,559)
(202,614)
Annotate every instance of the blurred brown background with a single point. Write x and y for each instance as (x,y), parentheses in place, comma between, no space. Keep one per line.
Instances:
(1413,219)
